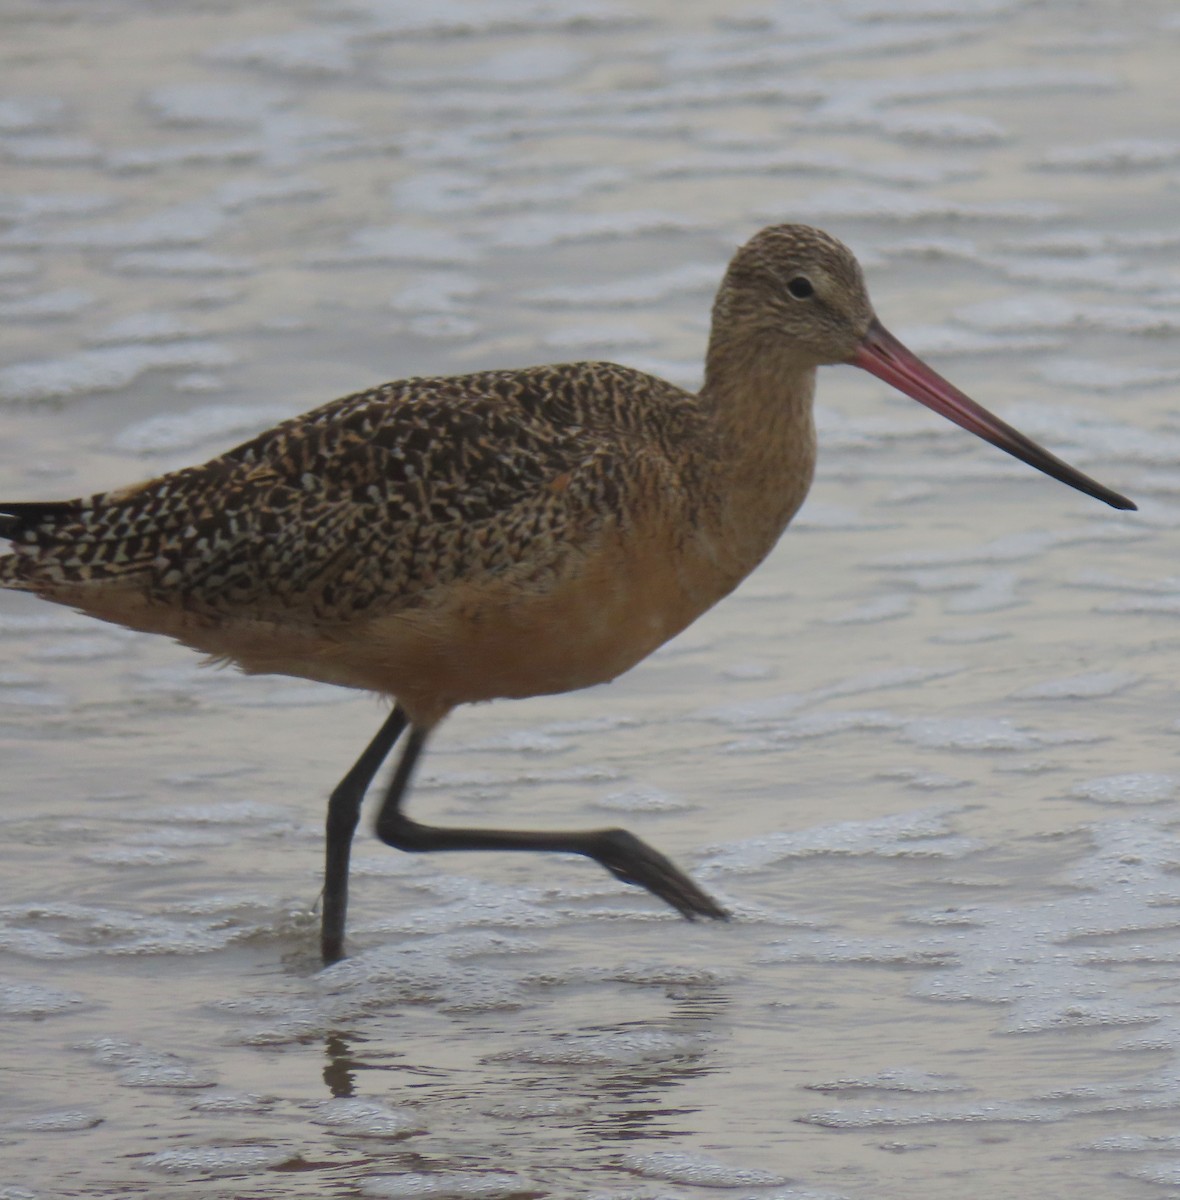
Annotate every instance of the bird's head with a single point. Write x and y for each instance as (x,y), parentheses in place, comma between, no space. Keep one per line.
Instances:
(795,296)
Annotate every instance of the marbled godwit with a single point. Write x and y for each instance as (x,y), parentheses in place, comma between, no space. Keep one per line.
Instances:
(509,533)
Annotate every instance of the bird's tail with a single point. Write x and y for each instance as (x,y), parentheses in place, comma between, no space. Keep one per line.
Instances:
(20,518)
(26,524)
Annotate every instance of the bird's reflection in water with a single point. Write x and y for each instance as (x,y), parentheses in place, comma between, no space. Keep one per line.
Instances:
(344,1066)
(340,1071)
(595,1103)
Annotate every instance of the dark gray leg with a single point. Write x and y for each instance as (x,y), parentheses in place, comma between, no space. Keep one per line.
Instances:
(344,810)
(621,853)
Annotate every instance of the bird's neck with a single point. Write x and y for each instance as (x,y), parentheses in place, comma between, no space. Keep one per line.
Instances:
(758,397)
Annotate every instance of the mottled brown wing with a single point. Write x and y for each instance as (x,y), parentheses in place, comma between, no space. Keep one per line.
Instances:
(361,507)
(370,512)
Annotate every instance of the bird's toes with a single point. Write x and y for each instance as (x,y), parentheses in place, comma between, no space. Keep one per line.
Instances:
(633,861)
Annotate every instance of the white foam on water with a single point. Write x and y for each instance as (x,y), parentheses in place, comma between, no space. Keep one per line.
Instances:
(755,713)
(641,800)
(37,1000)
(889,1116)
(70,1120)
(169,835)
(365,1119)
(1138,787)
(895,1079)
(217,1161)
(631,1048)
(468,1185)
(926,781)
(925,833)
(60,930)
(483,907)
(381,966)
(1040,959)
(838,948)
(223,812)
(827,724)
(138,1065)
(1166,1174)
(698,1170)
(1135,1142)
(983,734)
(138,856)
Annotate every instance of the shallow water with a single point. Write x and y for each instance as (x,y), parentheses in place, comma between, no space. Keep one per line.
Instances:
(926,754)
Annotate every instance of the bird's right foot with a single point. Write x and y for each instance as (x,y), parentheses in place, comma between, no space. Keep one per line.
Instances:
(633,861)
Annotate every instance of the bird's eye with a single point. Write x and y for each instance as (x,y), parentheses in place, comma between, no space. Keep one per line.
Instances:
(800,287)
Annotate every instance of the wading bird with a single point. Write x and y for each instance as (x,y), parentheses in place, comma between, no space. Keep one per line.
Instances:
(442,541)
